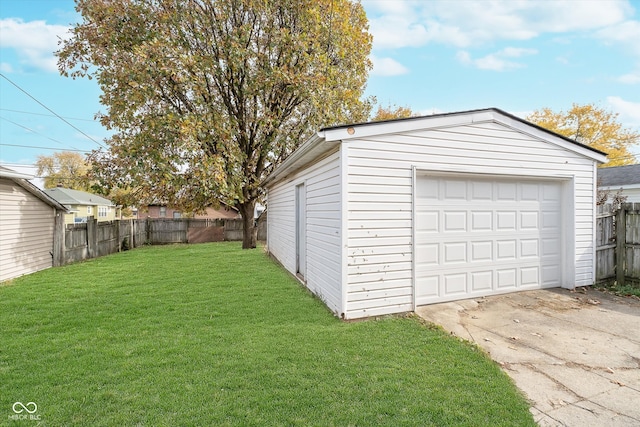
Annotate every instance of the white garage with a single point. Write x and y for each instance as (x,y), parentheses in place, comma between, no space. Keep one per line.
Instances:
(378,218)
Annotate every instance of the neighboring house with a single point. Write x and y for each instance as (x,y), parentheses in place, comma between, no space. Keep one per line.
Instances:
(29,222)
(378,218)
(81,205)
(163,211)
(625,178)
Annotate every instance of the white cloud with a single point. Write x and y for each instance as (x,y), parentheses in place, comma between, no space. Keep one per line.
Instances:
(5,67)
(626,34)
(387,67)
(34,41)
(396,24)
(498,61)
(629,111)
(631,78)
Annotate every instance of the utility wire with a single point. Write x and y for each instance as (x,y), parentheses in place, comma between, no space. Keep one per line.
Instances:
(42,148)
(37,133)
(50,110)
(47,115)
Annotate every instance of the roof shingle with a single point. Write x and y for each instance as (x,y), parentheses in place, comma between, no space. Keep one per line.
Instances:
(619,175)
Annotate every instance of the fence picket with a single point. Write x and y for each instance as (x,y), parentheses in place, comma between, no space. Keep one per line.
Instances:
(618,244)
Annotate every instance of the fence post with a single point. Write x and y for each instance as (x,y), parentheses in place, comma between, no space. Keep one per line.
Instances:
(621,237)
(58,239)
(117,233)
(132,233)
(92,237)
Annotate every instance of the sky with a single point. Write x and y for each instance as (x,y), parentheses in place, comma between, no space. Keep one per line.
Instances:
(429,55)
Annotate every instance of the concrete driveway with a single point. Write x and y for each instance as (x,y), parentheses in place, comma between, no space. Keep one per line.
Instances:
(574,354)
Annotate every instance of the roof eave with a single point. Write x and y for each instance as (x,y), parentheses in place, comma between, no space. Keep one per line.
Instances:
(39,194)
(307,152)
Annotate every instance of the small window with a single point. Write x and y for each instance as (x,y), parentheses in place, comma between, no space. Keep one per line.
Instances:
(89,210)
(163,211)
(177,215)
(102,211)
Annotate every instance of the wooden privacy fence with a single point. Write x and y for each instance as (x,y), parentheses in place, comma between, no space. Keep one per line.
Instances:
(618,244)
(94,239)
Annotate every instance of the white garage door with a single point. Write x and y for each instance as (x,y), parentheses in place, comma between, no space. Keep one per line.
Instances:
(478,235)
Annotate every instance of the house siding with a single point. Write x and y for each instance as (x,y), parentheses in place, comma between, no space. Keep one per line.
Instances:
(26,231)
(323,219)
(380,211)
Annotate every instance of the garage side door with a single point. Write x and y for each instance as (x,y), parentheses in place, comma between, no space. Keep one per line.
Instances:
(478,235)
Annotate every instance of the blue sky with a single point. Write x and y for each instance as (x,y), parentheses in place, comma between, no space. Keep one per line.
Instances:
(432,56)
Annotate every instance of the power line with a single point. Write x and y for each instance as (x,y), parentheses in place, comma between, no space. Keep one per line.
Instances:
(50,110)
(38,133)
(42,148)
(46,115)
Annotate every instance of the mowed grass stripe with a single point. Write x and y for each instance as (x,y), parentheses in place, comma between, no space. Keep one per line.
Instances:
(204,335)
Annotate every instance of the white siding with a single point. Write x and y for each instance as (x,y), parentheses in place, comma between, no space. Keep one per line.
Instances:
(323,220)
(380,200)
(26,231)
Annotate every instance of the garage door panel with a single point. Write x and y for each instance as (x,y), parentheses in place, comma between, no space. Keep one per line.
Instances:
(506,250)
(455,284)
(551,193)
(529,220)
(481,251)
(454,190)
(455,253)
(506,191)
(506,220)
(481,191)
(481,281)
(530,276)
(481,220)
(530,192)
(455,221)
(529,248)
(484,236)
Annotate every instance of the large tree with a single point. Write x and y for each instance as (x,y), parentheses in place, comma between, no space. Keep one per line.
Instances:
(207,96)
(592,126)
(64,168)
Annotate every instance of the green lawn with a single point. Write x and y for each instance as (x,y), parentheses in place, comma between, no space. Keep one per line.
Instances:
(206,335)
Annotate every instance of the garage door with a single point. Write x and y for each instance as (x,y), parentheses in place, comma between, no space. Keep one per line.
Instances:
(478,235)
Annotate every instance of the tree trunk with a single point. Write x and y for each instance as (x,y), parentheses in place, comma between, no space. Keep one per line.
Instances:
(250,231)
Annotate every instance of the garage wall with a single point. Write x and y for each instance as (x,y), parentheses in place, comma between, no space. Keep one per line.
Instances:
(323,220)
(379,185)
(26,231)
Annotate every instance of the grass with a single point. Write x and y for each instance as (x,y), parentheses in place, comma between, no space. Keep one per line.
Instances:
(209,334)
(620,290)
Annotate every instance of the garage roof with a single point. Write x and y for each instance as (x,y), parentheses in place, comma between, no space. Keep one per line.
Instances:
(21,180)
(329,137)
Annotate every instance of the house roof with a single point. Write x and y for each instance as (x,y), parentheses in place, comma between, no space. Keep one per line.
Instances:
(67,196)
(329,138)
(21,180)
(619,176)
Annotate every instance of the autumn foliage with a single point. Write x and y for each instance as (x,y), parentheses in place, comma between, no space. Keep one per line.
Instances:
(592,126)
(206,97)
